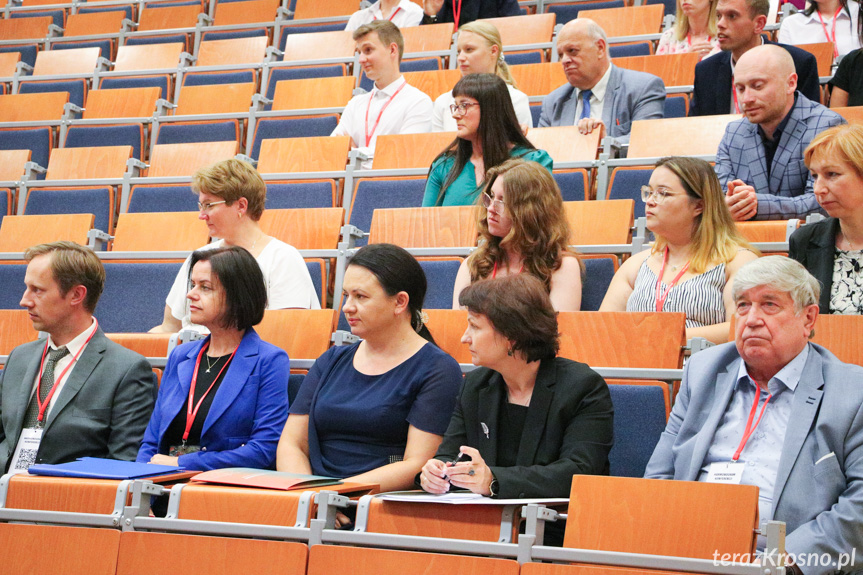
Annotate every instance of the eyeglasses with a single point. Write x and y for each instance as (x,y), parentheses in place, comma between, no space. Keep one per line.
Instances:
(462,108)
(488,202)
(659,194)
(209,205)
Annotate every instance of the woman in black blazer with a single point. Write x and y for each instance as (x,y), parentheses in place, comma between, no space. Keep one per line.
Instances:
(832,249)
(525,421)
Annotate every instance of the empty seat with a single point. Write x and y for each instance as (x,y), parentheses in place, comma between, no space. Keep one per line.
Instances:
(440,274)
(164,231)
(567,12)
(673,69)
(96,201)
(442,227)
(185,159)
(377,193)
(275,128)
(323,154)
(17,233)
(628,21)
(297,195)
(134,296)
(598,272)
(639,420)
(162,198)
(207,99)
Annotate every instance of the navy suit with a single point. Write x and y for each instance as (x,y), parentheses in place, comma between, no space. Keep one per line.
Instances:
(711,95)
(477,9)
(248,412)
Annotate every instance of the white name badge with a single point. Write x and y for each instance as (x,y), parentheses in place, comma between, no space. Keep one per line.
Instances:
(727,472)
(25,452)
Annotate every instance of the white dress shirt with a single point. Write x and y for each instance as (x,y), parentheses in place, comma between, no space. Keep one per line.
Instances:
(406,14)
(801,29)
(597,98)
(442,121)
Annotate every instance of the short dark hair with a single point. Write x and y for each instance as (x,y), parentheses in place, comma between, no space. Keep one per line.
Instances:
(71,265)
(242,281)
(388,33)
(520,309)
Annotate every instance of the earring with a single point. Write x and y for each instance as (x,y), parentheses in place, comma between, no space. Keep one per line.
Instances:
(510,352)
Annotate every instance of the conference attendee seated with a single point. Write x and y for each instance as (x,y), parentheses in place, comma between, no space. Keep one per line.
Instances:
(231,198)
(523,229)
(374,411)
(760,158)
(778,412)
(847,83)
(224,399)
(393,106)
(599,93)
(76,393)
(463,11)
(836,21)
(690,266)
(832,249)
(402,13)
(740,24)
(694,30)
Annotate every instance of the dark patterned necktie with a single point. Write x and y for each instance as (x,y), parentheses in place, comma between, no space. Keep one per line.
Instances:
(45,385)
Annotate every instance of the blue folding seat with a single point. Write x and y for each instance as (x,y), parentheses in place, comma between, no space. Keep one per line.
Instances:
(536,112)
(278,74)
(296,195)
(96,201)
(127,10)
(440,275)
(639,420)
(109,135)
(317,268)
(626,184)
(272,128)
(28,52)
(162,82)
(59,16)
(533,57)
(633,49)
(210,78)
(597,277)
(675,106)
(5,202)
(11,285)
(162,198)
(371,194)
(77,89)
(670,5)
(231,34)
(295,380)
(145,40)
(104,46)
(187,133)
(572,184)
(287,30)
(566,12)
(38,140)
(133,300)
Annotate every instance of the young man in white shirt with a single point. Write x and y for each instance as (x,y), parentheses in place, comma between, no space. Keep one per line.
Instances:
(393,106)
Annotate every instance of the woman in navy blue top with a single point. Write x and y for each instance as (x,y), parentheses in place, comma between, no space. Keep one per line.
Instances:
(374,411)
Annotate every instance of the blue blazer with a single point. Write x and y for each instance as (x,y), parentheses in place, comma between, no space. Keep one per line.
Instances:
(819,484)
(248,412)
(788,192)
(630,96)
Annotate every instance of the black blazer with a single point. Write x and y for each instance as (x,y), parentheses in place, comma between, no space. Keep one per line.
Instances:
(568,429)
(712,92)
(475,10)
(814,246)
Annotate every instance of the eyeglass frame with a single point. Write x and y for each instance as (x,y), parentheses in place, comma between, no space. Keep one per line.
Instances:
(647,192)
(461,108)
(209,205)
(488,201)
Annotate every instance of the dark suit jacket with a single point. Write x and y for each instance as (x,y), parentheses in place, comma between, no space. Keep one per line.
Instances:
(475,9)
(711,95)
(814,246)
(102,409)
(568,429)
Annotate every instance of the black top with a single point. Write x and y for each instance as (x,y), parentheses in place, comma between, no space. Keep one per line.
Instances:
(814,246)
(512,418)
(474,10)
(849,77)
(771,145)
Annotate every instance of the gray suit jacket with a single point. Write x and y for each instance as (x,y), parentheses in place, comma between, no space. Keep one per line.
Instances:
(630,96)
(102,410)
(819,484)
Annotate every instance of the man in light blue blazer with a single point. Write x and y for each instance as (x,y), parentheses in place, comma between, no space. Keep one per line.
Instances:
(760,158)
(805,445)
(599,93)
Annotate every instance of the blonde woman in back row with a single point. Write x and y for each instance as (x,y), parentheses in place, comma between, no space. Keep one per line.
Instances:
(480,51)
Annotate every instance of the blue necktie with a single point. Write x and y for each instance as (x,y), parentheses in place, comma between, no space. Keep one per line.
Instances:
(585,104)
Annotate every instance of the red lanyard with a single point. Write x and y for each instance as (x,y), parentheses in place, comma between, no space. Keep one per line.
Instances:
(750,429)
(378,121)
(734,94)
(456,12)
(44,405)
(826,33)
(393,15)
(660,295)
(689,40)
(191,414)
(494,271)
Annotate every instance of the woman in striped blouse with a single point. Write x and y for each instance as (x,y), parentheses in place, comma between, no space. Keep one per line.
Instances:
(697,251)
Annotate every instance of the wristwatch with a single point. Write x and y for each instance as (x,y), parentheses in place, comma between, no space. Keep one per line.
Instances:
(494,487)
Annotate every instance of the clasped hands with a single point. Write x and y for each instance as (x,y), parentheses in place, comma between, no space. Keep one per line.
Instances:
(437,476)
(742,201)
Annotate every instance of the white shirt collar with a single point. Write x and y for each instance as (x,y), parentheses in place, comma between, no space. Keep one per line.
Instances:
(390,89)
(598,90)
(843,15)
(376,11)
(78,341)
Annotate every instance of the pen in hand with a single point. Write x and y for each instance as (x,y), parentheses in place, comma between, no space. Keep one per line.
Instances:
(462,458)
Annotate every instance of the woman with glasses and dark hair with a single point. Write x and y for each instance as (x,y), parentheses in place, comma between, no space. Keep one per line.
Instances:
(697,251)
(231,198)
(374,411)
(223,400)
(522,228)
(487,134)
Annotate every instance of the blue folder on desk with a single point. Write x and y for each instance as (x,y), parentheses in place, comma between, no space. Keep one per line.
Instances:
(98,468)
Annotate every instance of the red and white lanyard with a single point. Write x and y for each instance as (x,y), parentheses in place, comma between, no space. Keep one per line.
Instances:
(381,113)
(750,429)
(660,295)
(689,39)
(456,12)
(828,34)
(393,15)
(191,413)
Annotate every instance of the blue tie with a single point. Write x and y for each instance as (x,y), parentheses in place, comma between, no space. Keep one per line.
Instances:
(585,104)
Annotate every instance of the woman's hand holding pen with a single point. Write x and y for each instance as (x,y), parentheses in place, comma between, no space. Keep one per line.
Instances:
(472,474)
(433,477)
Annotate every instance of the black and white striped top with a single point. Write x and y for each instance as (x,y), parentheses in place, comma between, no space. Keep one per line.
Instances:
(700,297)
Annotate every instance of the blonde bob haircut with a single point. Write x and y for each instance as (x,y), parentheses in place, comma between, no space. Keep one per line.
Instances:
(843,143)
(681,22)
(539,231)
(231,180)
(490,34)
(715,238)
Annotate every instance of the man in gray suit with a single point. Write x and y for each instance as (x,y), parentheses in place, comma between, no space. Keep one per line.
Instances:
(773,410)
(77,394)
(599,93)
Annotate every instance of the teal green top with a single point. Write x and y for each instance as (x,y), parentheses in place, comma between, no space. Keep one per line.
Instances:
(464,190)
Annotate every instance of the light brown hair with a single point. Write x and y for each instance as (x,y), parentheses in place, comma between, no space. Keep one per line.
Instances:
(231,180)
(72,265)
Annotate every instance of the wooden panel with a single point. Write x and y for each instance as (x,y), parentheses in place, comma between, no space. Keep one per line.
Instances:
(9,63)
(447,326)
(678,136)
(80,61)
(25,28)
(185,159)
(59,494)
(17,233)
(653,516)
(93,23)
(317,9)
(28,549)
(310,342)
(842,335)
(147,344)
(329,559)
(552,569)
(159,231)
(764,231)
(86,163)
(605,222)
(153,18)
(823,52)
(148,57)
(305,229)
(627,21)
(307,93)
(12,164)
(674,69)
(433,82)
(156,554)
(15,327)
(427,38)
(853,114)
(471,522)
(566,144)
(319,154)
(32,107)
(653,339)
(122,103)
(215,99)
(318,45)
(531,29)
(232,51)
(249,12)
(441,227)
(410,150)
(538,79)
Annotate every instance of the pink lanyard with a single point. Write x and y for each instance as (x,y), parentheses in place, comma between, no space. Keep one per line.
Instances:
(826,33)
(393,15)
(689,39)
(734,93)
(494,271)
(750,429)
(44,405)
(191,414)
(378,121)
(456,12)
(660,295)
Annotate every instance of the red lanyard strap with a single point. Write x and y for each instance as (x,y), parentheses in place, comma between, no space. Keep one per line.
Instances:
(734,94)
(381,113)
(456,12)
(43,405)
(393,15)
(750,429)
(826,33)
(191,414)
(660,295)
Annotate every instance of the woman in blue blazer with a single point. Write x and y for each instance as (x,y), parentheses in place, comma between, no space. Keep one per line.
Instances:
(223,400)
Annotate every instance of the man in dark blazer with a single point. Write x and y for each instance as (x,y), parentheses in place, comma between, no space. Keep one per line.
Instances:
(77,394)
(740,24)
(437,11)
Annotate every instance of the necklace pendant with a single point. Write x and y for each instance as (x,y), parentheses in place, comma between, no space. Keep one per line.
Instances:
(208,371)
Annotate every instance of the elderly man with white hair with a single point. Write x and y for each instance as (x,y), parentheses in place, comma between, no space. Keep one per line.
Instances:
(772,409)
(599,93)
